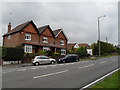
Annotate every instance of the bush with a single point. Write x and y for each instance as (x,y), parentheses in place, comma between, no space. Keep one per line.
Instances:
(70,52)
(81,51)
(12,53)
(49,53)
(43,52)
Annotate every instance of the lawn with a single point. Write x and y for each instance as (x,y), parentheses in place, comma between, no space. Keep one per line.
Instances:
(109,82)
(99,57)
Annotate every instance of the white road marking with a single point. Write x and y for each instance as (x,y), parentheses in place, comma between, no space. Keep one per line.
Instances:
(7,72)
(69,63)
(103,62)
(114,59)
(34,68)
(50,74)
(21,70)
(99,79)
(85,66)
(61,64)
(53,65)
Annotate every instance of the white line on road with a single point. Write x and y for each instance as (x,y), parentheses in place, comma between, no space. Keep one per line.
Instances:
(21,70)
(69,63)
(7,72)
(103,62)
(86,66)
(34,68)
(99,79)
(50,74)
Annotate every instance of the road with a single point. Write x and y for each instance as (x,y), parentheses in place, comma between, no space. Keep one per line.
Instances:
(65,75)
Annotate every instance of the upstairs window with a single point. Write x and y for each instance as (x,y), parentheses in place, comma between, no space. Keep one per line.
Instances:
(45,40)
(61,42)
(27,36)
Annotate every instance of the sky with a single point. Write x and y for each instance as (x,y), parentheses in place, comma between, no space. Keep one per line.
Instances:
(77,19)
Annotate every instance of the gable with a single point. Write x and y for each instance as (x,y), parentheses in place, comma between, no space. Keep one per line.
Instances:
(61,35)
(76,46)
(47,32)
(30,28)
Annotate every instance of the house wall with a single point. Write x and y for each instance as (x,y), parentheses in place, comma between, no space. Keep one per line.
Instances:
(89,51)
(59,38)
(13,41)
(18,39)
(29,30)
(47,33)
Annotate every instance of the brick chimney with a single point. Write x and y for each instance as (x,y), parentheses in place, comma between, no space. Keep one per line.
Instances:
(9,27)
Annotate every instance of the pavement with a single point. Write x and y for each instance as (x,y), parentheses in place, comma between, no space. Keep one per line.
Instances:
(65,75)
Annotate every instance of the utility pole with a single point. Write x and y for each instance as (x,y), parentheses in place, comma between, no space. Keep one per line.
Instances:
(99,33)
(106,39)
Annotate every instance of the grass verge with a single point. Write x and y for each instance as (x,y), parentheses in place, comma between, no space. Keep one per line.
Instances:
(99,57)
(109,82)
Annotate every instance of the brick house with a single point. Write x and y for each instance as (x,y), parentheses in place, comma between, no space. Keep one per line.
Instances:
(35,39)
(75,46)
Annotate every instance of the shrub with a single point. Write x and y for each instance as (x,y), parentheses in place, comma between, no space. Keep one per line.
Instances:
(56,54)
(49,53)
(81,51)
(12,53)
(70,52)
(43,52)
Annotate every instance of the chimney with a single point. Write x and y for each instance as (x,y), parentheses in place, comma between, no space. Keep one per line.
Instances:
(9,27)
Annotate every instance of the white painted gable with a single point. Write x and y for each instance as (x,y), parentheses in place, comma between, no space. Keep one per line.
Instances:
(76,46)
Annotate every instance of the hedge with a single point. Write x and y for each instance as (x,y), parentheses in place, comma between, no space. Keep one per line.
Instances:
(12,53)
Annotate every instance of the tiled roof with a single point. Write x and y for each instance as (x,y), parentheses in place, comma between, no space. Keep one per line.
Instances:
(56,31)
(85,44)
(41,29)
(70,45)
(18,28)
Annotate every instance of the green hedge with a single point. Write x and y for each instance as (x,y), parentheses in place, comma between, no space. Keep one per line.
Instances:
(12,53)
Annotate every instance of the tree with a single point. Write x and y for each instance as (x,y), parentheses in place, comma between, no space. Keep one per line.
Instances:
(105,48)
(81,51)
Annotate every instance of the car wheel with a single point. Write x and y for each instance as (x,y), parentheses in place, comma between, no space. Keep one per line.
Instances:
(37,63)
(77,60)
(52,62)
(63,61)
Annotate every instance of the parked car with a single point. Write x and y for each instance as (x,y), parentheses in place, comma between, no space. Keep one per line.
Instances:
(69,58)
(43,60)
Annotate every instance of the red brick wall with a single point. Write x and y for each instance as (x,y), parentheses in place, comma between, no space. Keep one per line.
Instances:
(30,30)
(19,38)
(59,38)
(13,41)
(47,34)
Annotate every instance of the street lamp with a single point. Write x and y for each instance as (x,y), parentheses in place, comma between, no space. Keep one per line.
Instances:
(99,33)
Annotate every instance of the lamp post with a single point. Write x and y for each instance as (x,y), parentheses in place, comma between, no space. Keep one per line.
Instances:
(99,32)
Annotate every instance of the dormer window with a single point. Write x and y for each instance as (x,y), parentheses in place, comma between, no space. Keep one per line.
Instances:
(61,42)
(27,36)
(45,40)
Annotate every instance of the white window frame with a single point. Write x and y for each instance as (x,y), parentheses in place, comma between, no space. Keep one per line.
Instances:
(63,51)
(46,48)
(28,48)
(27,36)
(9,37)
(45,40)
(61,42)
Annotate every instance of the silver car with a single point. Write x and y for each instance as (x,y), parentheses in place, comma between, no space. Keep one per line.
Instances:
(42,60)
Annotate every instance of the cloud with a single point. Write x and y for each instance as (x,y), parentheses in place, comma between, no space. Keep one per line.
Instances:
(78,19)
